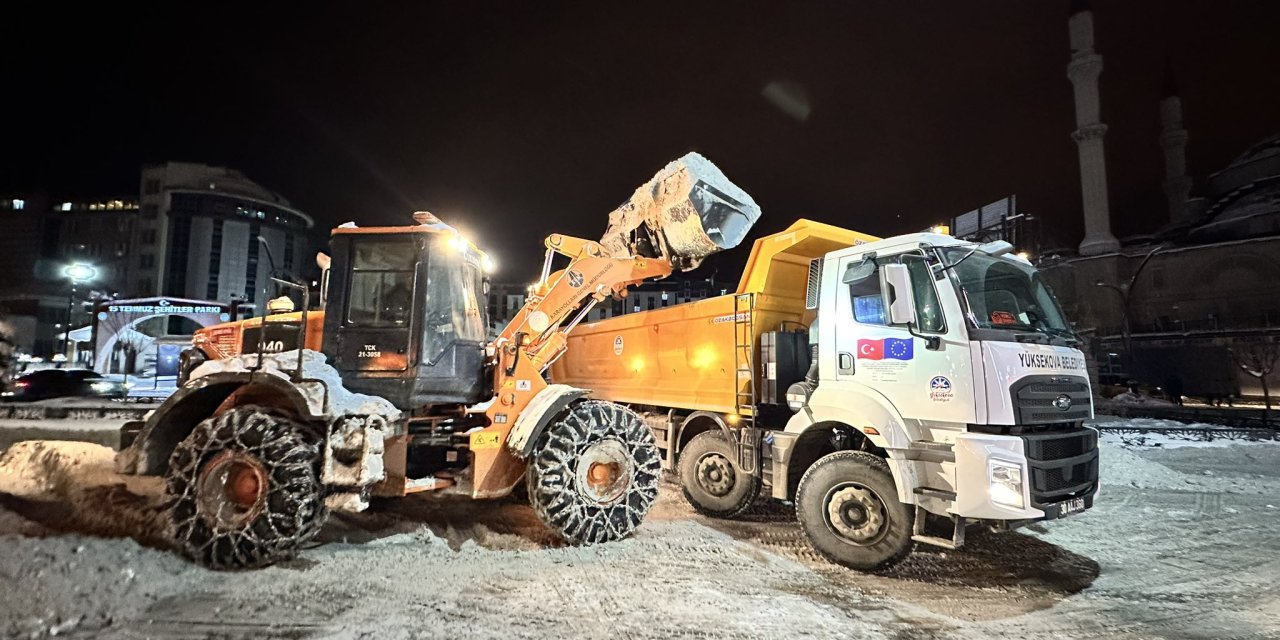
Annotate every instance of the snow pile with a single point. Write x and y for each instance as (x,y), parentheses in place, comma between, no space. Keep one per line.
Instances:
(37,469)
(314,366)
(1131,398)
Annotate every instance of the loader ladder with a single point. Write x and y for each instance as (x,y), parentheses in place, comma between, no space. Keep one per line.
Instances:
(743,355)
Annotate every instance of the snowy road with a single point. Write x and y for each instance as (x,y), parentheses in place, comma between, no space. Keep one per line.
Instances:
(1183,542)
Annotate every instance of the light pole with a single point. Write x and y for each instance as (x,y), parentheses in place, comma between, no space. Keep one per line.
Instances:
(76,273)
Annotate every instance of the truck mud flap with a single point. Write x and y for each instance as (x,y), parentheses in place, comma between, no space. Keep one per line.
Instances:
(749,450)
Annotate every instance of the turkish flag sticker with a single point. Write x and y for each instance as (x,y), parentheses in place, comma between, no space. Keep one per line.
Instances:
(871,349)
(1003,317)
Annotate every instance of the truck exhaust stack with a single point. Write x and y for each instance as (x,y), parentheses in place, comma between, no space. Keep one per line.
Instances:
(686,212)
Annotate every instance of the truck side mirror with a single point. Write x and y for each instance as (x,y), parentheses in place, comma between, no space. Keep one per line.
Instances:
(902,304)
(858,271)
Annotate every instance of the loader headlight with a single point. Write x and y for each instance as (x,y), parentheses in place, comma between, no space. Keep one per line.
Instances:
(1005,483)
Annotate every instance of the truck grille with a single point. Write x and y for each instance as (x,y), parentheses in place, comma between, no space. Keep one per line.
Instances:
(1063,464)
(1046,399)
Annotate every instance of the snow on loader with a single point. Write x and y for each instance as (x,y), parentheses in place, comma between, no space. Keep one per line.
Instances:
(392,388)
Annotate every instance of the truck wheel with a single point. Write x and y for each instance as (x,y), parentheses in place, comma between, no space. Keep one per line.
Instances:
(712,483)
(244,490)
(594,473)
(848,506)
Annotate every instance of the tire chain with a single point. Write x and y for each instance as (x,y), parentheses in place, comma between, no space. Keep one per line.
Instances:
(294,512)
(552,475)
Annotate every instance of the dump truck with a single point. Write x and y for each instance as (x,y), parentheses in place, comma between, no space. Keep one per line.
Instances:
(889,388)
(392,387)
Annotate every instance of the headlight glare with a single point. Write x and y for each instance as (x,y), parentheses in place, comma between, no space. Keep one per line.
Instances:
(1005,484)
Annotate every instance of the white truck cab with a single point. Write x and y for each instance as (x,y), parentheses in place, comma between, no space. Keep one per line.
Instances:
(956,363)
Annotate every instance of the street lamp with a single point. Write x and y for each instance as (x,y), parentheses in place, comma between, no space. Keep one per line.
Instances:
(77,273)
(1126,290)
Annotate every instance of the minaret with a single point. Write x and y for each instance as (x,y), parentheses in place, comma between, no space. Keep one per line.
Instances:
(1173,139)
(1083,70)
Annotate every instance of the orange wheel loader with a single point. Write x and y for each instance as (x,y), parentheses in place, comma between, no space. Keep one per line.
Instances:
(391,386)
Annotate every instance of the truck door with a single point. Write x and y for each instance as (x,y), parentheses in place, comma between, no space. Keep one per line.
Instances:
(923,370)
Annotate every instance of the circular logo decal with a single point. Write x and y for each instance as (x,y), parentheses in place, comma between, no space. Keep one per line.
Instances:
(940,389)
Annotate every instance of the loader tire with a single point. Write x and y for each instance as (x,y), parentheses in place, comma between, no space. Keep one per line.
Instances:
(244,490)
(594,473)
(712,483)
(848,506)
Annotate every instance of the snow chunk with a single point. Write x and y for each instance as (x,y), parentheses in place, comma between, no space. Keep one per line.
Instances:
(341,402)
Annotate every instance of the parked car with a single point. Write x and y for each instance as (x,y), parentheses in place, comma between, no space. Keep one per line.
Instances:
(61,383)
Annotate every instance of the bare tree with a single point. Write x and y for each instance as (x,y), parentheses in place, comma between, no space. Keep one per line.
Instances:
(1258,360)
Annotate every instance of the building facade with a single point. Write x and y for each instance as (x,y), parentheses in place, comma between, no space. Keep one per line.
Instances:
(210,233)
(193,231)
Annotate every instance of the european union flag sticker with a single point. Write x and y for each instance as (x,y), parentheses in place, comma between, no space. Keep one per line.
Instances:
(899,349)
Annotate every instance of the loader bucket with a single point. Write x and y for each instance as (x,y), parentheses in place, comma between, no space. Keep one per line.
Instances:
(686,212)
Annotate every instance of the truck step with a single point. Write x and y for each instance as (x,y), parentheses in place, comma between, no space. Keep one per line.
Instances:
(942,494)
(933,446)
(937,542)
(957,531)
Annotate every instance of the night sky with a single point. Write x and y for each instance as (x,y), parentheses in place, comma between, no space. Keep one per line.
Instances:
(513,120)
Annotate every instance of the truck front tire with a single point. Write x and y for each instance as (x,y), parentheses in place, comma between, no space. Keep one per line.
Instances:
(848,507)
(712,483)
(244,490)
(594,473)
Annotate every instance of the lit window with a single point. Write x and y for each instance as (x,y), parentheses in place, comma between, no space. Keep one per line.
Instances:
(19,204)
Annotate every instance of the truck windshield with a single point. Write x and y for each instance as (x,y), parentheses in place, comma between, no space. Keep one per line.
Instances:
(1006,295)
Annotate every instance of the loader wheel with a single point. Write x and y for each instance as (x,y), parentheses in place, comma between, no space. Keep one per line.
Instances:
(594,473)
(712,483)
(848,507)
(244,490)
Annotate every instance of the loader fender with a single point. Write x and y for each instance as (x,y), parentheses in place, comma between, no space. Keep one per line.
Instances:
(534,418)
(172,421)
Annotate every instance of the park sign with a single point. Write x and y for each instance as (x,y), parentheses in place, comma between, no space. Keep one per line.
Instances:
(162,306)
(119,337)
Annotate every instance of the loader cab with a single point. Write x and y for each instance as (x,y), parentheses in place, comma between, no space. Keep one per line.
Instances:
(405,314)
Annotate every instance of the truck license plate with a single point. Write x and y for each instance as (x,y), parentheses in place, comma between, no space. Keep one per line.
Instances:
(1071,506)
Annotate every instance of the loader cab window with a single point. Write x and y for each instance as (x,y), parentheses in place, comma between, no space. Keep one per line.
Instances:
(455,309)
(382,279)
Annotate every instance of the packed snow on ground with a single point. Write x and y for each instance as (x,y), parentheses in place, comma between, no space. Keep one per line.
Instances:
(1167,552)
(315,367)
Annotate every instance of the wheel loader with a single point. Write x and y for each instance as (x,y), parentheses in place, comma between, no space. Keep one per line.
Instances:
(391,386)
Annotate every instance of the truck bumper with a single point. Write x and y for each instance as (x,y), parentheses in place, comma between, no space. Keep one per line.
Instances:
(1028,477)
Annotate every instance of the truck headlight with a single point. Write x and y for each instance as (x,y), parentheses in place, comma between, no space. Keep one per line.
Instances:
(1005,483)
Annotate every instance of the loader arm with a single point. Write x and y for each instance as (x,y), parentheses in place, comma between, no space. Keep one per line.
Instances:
(686,212)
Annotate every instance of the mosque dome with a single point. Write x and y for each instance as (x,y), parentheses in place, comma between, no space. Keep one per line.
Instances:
(1244,198)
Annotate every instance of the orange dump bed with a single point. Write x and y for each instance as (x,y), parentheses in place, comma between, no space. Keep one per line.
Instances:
(685,356)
